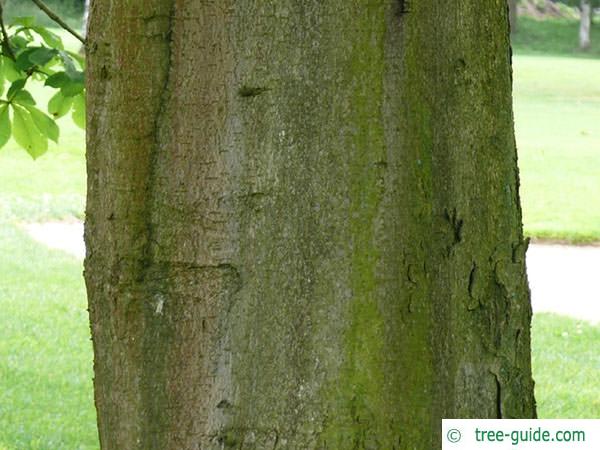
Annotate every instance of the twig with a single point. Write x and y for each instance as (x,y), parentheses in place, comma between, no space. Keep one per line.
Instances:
(5,41)
(40,4)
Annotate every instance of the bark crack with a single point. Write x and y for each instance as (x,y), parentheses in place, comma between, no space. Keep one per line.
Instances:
(473,278)
(456,226)
(154,151)
(249,91)
(498,396)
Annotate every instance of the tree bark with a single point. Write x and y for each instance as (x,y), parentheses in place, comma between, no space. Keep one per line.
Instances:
(585,25)
(303,225)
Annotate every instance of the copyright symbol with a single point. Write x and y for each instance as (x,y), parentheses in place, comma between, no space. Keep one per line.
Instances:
(453,435)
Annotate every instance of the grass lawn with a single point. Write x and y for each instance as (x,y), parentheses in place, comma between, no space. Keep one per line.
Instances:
(557,119)
(45,352)
(566,367)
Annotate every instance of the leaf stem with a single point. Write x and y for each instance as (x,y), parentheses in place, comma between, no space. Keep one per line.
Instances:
(5,41)
(40,4)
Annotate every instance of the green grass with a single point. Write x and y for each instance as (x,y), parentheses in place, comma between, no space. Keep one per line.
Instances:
(566,367)
(45,351)
(557,112)
(557,116)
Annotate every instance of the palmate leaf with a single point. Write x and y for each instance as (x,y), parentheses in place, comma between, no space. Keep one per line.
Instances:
(5,128)
(44,123)
(33,54)
(27,134)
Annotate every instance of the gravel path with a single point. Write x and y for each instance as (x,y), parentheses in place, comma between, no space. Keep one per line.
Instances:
(65,236)
(563,279)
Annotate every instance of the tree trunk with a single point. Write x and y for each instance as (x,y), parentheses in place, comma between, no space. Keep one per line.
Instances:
(585,25)
(303,223)
(513,15)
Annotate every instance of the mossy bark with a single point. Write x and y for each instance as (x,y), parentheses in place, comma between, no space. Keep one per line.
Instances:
(303,226)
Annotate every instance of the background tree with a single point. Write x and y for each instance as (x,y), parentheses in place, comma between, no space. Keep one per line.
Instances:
(586,13)
(303,223)
(513,14)
(585,24)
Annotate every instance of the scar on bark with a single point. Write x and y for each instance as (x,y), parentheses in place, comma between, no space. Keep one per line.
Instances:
(403,7)
(250,91)
(471,288)
(498,396)
(410,274)
(456,223)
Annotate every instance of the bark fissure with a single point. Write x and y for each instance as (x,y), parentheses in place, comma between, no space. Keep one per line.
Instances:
(498,396)
(158,334)
(157,142)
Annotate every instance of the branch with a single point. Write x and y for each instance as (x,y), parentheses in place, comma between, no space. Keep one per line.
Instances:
(40,4)
(5,41)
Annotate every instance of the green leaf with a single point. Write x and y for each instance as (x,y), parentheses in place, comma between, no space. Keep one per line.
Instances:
(4,125)
(10,71)
(27,134)
(79,110)
(59,105)
(26,21)
(51,39)
(34,56)
(23,63)
(2,77)
(42,55)
(26,31)
(28,34)
(15,87)
(24,98)
(70,68)
(71,82)
(72,89)
(44,123)
(77,57)
(18,42)
(57,80)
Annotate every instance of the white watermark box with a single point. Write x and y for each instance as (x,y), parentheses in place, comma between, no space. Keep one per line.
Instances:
(521,434)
